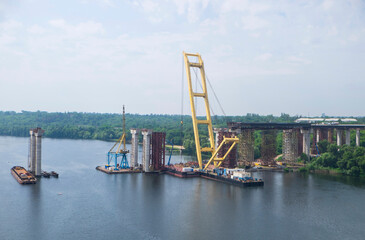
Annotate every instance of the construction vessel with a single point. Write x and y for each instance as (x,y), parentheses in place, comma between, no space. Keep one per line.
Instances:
(220,149)
(22,175)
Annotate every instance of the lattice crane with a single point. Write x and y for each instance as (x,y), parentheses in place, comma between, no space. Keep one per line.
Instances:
(120,151)
(208,121)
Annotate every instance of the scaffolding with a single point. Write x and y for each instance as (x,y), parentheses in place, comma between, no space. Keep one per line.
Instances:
(246,146)
(231,160)
(268,147)
(158,150)
(290,145)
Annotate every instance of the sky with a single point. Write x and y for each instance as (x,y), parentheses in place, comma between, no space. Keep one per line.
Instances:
(266,57)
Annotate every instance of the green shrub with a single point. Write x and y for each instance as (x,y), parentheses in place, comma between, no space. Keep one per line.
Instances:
(303,170)
(354,171)
(323,146)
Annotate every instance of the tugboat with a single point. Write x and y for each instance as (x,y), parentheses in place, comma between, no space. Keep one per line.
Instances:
(54,174)
(46,174)
(22,175)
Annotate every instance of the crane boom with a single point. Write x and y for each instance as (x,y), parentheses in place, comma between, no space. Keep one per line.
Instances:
(208,121)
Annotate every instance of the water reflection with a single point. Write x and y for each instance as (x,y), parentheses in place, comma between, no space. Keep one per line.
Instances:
(34,202)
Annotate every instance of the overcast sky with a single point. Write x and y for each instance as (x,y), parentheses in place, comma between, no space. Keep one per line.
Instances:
(265,57)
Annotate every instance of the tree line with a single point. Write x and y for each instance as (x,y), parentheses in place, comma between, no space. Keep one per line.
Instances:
(108,127)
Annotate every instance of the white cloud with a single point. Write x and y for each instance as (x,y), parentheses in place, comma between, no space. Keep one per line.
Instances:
(149,6)
(10,25)
(327,4)
(6,39)
(252,22)
(162,10)
(78,30)
(104,3)
(36,29)
(243,43)
(8,30)
(57,23)
(263,57)
(298,60)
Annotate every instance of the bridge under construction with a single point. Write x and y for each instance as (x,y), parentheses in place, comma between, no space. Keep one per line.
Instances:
(223,143)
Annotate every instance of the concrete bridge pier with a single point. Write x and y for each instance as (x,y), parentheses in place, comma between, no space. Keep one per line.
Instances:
(217,132)
(134,153)
(358,137)
(246,146)
(32,152)
(330,135)
(306,141)
(317,131)
(339,137)
(38,139)
(268,147)
(347,139)
(290,145)
(146,149)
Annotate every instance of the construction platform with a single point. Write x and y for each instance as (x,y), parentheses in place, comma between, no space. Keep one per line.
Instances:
(119,171)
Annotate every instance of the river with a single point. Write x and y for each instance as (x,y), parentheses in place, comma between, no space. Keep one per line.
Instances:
(87,204)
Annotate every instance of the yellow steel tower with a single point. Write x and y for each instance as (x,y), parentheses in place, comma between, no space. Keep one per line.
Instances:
(208,121)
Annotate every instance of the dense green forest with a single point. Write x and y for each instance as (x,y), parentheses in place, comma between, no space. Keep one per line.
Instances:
(76,125)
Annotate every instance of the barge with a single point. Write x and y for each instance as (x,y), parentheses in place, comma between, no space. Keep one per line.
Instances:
(111,170)
(233,181)
(22,175)
(237,177)
(181,174)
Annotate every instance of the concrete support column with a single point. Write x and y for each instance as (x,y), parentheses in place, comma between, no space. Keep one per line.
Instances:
(134,153)
(317,135)
(32,152)
(246,146)
(216,132)
(347,132)
(329,135)
(339,137)
(268,147)
(357,137)
(38,139)
(290,145)
(146,149)
(306,141)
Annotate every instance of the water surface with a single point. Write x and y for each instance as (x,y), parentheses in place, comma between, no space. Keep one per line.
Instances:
(87,204)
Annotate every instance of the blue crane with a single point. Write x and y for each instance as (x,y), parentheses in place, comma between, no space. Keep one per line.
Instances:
(172,148)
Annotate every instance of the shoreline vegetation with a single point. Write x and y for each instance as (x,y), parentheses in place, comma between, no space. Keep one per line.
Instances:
(345,160)
(108,127)
(348,160)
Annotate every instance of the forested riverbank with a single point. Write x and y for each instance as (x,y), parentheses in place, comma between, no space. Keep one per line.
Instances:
(105,126)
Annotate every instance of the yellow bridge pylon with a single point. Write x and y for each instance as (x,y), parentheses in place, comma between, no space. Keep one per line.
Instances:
(208,121)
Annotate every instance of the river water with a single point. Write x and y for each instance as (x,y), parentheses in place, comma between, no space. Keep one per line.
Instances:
(87,204)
